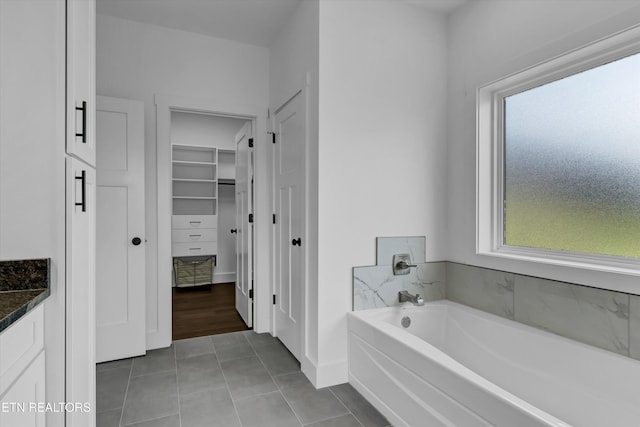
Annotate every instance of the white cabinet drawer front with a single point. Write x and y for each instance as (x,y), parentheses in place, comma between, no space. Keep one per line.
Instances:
(194,221)
(194,249)
(191,236)
(19,344)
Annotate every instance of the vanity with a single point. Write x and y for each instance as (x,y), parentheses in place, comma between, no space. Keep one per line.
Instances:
(23,286)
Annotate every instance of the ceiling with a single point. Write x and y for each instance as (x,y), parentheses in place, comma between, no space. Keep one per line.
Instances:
(255,22)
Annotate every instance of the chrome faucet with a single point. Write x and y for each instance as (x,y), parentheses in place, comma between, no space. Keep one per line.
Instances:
(402,264)
(404,296)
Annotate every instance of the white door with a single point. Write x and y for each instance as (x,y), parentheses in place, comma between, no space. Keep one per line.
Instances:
(120,249)
(289,179)
(244,229)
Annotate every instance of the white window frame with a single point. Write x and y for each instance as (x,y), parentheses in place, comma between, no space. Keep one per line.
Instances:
(490,152)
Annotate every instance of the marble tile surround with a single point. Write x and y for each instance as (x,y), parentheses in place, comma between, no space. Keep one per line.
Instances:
(387,247)
(376,286)
(602,318)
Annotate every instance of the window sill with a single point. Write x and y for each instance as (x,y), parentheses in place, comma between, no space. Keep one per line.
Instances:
(601,263)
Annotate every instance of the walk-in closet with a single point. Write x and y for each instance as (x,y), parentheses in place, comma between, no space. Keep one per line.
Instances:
(203,226)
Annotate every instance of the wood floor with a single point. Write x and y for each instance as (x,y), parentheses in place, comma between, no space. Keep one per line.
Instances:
(205,311)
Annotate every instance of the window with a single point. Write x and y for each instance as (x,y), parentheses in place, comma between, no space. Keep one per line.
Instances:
(559,158)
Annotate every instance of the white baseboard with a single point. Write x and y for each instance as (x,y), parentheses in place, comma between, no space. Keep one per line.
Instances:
(326,374)
(224,277)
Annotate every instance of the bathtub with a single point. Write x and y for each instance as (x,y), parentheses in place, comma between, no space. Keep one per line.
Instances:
(458,366)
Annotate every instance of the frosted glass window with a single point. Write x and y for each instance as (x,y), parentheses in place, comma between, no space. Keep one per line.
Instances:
(572,163)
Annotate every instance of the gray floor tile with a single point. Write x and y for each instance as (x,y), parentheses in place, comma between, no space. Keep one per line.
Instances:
(170,421)
(343,421)
(209,408)
(247,377)
(111,387)
(199,373)
(234,350)
(229,338)
(277,359)
(109,418)
(288,380)
(359,406)
(150,397)
(193,347)
(114,364)
(311,405)
(155,361)
(266,410)
(258,340)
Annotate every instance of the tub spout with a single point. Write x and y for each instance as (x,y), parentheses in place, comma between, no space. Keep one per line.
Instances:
(404,296)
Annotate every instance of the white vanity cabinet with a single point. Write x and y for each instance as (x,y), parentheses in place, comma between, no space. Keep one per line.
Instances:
(22,372)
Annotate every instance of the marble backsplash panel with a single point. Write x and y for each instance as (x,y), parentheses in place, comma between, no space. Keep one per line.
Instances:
(376,286)
(387,247)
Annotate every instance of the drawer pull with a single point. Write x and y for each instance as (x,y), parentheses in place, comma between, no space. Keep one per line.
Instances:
(84,121)
(195,222)
(195,235)
(83,181)
(195,249)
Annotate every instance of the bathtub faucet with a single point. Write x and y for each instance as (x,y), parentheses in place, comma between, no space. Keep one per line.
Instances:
(404,296)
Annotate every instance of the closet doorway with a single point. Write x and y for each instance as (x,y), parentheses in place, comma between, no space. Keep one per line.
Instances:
(209,249)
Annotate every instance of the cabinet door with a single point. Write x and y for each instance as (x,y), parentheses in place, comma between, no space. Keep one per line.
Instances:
(81,202)
(22,398)
(81,80)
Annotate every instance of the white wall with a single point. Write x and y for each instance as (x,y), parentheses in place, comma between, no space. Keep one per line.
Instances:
(292,55)
(32,160)
(489,40)
(382,148)
(137,60)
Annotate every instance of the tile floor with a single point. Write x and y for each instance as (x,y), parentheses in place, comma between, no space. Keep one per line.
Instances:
(235,379)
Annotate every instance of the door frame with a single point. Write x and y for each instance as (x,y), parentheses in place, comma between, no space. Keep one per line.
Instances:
(159,335)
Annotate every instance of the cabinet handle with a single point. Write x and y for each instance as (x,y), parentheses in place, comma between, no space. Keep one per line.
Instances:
(297,242)
(83,203)
(84,121)
(234,230)
(195,235)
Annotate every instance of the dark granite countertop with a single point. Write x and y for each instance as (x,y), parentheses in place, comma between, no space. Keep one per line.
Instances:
(23,285)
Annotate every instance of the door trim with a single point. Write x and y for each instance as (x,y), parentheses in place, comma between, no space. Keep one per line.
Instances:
(159,331)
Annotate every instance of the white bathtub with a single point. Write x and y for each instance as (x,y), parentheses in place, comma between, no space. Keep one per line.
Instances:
(457,366)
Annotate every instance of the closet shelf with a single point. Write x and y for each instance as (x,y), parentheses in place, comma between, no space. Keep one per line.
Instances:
(191,163)
(194,198)
(193,180)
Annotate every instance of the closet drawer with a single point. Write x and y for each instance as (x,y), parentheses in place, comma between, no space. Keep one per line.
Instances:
(194,249)
(194,221)
(190,236)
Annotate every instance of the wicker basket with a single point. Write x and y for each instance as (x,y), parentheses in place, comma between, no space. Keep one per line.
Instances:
(192,272)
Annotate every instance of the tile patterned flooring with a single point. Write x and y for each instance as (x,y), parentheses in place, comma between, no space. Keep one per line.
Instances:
(238,379)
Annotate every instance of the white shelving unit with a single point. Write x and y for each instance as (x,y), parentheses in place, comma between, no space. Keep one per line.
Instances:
(195,204)
(194,180)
